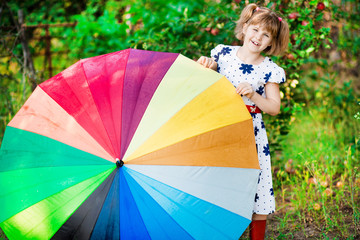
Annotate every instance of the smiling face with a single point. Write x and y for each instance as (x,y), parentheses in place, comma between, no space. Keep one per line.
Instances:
(256,38)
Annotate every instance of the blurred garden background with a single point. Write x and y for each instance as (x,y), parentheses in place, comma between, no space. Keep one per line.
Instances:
(314,141)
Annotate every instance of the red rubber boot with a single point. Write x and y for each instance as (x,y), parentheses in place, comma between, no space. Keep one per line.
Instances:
(257,229)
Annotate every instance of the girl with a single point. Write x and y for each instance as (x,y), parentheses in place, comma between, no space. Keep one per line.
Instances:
(257,80)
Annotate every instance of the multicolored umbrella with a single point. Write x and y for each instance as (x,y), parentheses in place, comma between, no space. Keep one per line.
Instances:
(133,145)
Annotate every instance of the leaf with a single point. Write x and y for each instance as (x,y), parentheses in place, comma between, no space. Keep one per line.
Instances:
(310,49)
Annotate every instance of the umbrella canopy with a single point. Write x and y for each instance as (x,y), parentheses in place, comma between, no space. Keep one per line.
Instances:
(133,145)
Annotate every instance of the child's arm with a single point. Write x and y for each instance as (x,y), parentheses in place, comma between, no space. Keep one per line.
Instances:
(270,104)
(208,62)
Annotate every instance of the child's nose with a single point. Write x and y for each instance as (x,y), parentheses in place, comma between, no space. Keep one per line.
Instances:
(258,36)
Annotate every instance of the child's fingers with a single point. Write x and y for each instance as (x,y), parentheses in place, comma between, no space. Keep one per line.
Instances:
(240,88)
(206,61)
(212,64)
(244,89)
(243,92)
(201,60)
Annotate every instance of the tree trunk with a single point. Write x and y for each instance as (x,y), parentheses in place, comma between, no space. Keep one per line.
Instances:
(28,62)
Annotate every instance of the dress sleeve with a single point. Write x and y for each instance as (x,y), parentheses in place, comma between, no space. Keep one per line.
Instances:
(215,52)
(277,76)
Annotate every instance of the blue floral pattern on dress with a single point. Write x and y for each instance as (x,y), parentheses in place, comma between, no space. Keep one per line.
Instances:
(256,197)
(259,177)
(256,130)
(260,90)
(226,50)
(267,77)
(266,150)
(246,68)
(272,191)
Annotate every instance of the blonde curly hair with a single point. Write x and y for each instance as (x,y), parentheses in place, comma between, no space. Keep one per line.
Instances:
(252,14)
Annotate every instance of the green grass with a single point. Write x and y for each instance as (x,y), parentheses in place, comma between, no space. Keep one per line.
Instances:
(317,179)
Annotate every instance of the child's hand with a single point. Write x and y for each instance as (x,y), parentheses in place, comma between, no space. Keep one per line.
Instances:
(245,89)
(208,62)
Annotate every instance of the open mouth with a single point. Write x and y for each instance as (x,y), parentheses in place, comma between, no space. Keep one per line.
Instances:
(255,43)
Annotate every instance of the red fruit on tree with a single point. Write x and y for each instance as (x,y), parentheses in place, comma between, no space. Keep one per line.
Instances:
(293,38)
(304,23)
(320,6)
(237,1)
(290,57)
(293,15)
(214,31)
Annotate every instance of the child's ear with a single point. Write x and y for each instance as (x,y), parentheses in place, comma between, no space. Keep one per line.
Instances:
(238,36)
(245,26)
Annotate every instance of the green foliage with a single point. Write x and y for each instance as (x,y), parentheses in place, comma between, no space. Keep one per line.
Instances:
(176,26)
(37,12)
(349,35)
(181,26)
(95,35)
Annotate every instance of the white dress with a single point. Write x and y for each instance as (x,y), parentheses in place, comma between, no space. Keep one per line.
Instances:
(257,75)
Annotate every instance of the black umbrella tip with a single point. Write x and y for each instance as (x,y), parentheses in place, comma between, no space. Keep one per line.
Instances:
(119,163)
